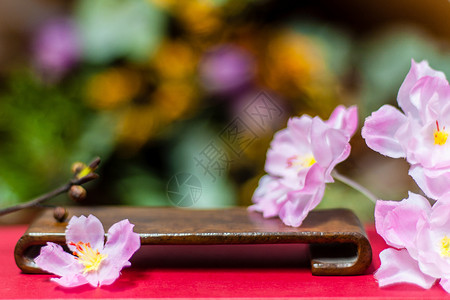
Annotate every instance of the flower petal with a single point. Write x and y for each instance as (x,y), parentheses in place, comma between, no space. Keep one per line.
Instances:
(71,280)
(445,283)
(300,128)
(87,230)
(108,273)
(294,211)
(434,183)
(328,145)
(300,203)
(380,131)
(93,278)
(397,266)
(396,221)
(54,259)
(122,243)
(344,119)
(417,71)
(430,95)
(269,196)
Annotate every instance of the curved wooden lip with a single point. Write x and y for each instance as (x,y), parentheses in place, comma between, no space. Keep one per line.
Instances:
(339,245)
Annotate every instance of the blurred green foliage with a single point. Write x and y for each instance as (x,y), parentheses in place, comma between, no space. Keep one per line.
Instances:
(385,58)
(339,195)
(39,127)
(117,29)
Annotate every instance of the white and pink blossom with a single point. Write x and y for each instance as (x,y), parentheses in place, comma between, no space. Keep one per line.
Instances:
(93,261)
(420,132)
(299,164)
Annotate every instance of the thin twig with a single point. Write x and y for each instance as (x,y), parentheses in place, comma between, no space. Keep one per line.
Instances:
(354,185)
(62,189)
(42,198)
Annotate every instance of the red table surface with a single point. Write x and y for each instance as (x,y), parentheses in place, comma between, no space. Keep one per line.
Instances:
(252,271)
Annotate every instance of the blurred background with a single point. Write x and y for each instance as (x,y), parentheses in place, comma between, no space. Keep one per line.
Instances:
(181,99)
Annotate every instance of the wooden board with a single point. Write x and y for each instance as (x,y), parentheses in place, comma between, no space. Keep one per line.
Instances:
(338,242)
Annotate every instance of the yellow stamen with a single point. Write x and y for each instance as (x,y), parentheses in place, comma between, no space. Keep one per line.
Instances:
(445,246)
(440,136)
(87,256)
(302,162)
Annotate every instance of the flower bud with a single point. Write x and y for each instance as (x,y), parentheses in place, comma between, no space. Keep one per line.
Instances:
(77,193)
(77,167)
(60,214)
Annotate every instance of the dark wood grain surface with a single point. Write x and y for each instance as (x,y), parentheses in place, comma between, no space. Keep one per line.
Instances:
(339,245)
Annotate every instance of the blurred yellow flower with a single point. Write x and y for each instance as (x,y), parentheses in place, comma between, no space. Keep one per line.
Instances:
(175,60)
(112,88)
(293,60)
(295,66)
(199,16)
(137,124)
(175,99)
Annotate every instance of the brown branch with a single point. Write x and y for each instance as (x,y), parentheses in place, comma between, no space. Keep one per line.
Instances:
(62,189)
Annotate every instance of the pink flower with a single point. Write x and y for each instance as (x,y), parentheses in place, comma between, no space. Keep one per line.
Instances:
(299,163)
(93,261)
(226,69)
(421,234)
(307,141)
(56,48)
(420,133)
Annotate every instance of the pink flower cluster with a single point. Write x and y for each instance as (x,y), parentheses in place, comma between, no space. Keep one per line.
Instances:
(299,164)
(302,157)
(418,233)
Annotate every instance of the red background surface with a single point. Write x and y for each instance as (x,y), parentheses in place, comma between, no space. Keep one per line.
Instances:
(252,271)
